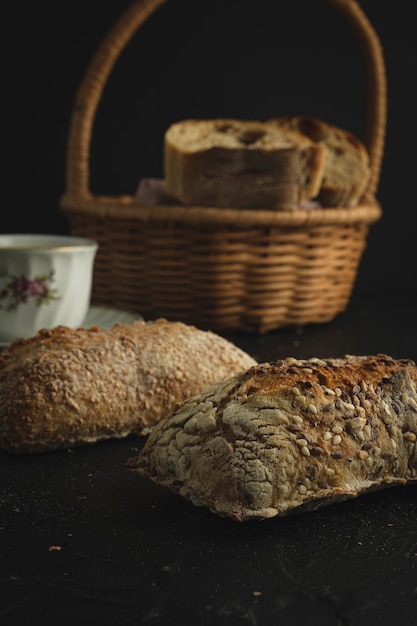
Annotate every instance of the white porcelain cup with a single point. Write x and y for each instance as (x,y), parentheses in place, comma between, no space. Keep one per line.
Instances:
(45,281)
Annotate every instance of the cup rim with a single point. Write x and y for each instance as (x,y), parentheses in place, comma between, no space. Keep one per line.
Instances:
(27,242)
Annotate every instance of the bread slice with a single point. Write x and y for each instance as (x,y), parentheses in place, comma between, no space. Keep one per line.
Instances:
(346,168)
(289,436)
(65,387)
(240,164)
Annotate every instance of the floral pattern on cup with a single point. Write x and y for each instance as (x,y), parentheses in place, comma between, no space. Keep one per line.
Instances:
(22,290)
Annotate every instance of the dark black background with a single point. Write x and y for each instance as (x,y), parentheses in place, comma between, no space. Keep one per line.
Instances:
(213,58)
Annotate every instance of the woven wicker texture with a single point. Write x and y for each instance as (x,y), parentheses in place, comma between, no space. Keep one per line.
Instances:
(223,269)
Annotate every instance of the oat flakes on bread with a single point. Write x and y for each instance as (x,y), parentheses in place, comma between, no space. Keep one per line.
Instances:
(346,166)
(240,164)
(289,436)
(65,387)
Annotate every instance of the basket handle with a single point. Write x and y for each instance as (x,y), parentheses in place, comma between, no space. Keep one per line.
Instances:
(102,63)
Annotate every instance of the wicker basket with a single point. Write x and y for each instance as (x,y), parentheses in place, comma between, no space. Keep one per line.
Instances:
(223,269)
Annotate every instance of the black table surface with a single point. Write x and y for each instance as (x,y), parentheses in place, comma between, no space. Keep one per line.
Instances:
(83,540)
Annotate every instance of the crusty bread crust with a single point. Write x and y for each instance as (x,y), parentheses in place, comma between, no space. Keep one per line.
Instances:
(66,387)
(289,436)
(346,167)
(240,164)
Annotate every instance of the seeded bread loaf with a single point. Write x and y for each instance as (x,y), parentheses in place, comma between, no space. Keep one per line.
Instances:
(289,436)
(66,387)
(346,166)
(240,164)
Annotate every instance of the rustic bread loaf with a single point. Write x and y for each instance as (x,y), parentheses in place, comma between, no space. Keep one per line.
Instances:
(289,436)
(240,164)
(346,166)
(65,387)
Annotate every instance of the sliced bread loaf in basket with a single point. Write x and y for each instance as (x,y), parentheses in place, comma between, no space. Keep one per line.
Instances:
(222,268)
